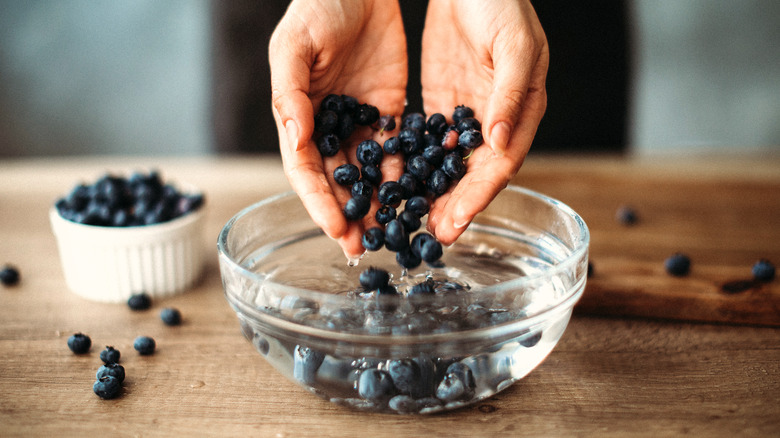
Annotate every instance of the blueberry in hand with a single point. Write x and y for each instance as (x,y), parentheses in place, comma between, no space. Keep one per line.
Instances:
(470,139)
(414,121)
(763,271)
(109,355)
(306,362)
(356,208)
(325,122)
(328,145)
(418,167)
(453,166)
(436,124)
(346,174)
(386,123)
(107,387)
(392,145)
(678,265)
(409,185)
(366,114)
(438,182)
(371,174)
(373,239)
(350,104)
(79,343)
(369,153)
(385,214)
(9,275)
(468,123)
(144,345)
(461,112)
(412,141)
(418,205)
(111,369)
(345,126)
(373,278)
(434,154)
(362,188)
(375,385)
(334,103)
(390,193)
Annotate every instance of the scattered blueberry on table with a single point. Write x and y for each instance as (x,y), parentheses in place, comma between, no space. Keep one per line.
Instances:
(170,316)
(763,271)
(107,387)
(109,355)
(678,265)
(144,345)
(139,301)
(9,275)
(79,343)
(111,369)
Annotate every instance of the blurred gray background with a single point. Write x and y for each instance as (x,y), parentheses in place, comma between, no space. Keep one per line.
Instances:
(147,77)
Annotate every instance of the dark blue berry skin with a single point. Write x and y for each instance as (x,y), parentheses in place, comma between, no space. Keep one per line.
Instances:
(414,121)
(396,237)
(372,174)
(405,374)
(170,316)
(434,155)
(470,139)
(325,122)
(461,112)
(144,345)
(419,241)
(457,384)
(111,369)
(107,387)
(436,124)
(346,174)
(362,188)
(390,193)
(407,259)
(375,385)
(328,145)
(345,126)
(373,278)
(392,145)
(468,123)
(626,215)
(139,301)
(438,182)
(763,271)
(366,115)
(418,167)
(409,184)
(431,251)
(386,123)
(373,239)
(356,208)
(110,355)
(306,362)
(79,343)
(412,141)
(387,297)
(424,288)
(369,153)
(418,205)
(678,265)
(385,214)
(332,102)
(9,276)
(350,103)
(410,221)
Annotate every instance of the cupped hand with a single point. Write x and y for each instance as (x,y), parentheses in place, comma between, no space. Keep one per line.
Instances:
(491,56)
(351,47)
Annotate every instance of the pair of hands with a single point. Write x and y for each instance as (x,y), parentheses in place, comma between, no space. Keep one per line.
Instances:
(491,56)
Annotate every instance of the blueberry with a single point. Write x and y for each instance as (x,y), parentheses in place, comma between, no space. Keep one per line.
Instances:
(458,383)
(375,385)
(350,104)
(372,174)
(453,166)
(306,362)
(436,124)
(333,102)
(325,122)
(107,387)
(390,193)
(449,140)
(405,374)
(79,343)
(387,298)
(763,271)
(423,288)
(678,265)
(396,237)
(418,205)
(356,208)
(468,123)
(109,355)
(461,112)
(373,278)
(392,145)
(426,247)
(438,182)
(418,167)
(434,155)
(144,345)
(111,369)
(530,341)
(410,221)
(626,215)
(362,188)
(412,141)
(414,121)
(470,139)
(369,153)
(386,123)
(328,145)
(9,275)
(409,185)
(366,114)
(591,269)
(385,214)
(170,316)
(139,301)
(345,126)
(407,259)
(403,403)
(346,174)
(373,239)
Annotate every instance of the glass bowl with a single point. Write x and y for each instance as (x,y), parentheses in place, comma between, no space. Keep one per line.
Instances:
(504,296)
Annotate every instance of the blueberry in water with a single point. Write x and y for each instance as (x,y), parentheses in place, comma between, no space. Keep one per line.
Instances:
(386,123)
(626,215)
(362,188)
(385,214)
(107,387)
(139,301)
(678,265)
(405,374)
(170,316)
(328,145)
(468,123)
(373,239)
(412,141)
(763,271)
(414,121)
(334,103)
(387,298)
(470,139)
(372,174)
(438,182)
(345,126)
(410,221)
(423,288)
(461,112)
(403,404)
(356,208)
(325,122)
(366,114)
(306,362)
(369,153)
(434,155)
(9,275)
(390,193)
(427,384)
(407,259)
(396,237)
(530,341)
(144,345)
(419,167)
(111,369)
(431,251)
(436,124)
(79,343)
(373,278)
(409,185)
(392,145)
(109,355)
(375,385)
(346,174)
(418,205)
(458,383)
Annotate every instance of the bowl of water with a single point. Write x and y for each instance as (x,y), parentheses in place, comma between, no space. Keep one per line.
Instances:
(503,296)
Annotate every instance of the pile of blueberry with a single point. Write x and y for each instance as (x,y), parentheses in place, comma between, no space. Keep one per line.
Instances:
(116,201)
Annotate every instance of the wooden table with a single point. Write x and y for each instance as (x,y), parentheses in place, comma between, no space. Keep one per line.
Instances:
(621,369)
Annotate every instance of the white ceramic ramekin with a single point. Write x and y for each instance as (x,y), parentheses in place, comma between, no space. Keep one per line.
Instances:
(110,264)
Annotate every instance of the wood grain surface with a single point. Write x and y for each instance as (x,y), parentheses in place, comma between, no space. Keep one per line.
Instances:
(644,354)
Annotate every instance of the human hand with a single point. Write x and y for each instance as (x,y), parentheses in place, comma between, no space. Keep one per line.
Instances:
(352,47)
(493,57)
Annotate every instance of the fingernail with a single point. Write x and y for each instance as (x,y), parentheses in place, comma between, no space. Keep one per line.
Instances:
(459,219)
(292,135)
(499,137)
